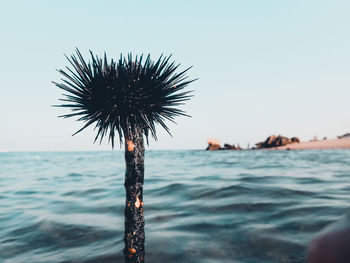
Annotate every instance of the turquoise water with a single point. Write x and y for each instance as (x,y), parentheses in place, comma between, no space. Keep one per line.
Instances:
(225,206)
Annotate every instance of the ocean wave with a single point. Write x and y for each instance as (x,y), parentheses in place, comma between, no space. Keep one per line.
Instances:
(229,206)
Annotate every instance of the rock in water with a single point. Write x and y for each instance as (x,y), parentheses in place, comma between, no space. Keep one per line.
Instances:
(276,141)
(213,144)
(229,147)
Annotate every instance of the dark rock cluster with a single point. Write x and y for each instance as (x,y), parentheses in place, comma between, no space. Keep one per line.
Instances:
(214,145)
(231,147)
(276,141)
(346,135)
(270,142)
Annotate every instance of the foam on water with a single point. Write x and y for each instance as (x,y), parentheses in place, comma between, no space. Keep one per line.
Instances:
(226,206)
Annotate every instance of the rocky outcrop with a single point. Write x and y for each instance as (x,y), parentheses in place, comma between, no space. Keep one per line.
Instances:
(214,145)
(270,142)
(229,147)
(295,140)
(276,141)
(346,135)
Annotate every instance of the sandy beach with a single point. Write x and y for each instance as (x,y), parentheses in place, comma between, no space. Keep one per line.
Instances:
(343,143)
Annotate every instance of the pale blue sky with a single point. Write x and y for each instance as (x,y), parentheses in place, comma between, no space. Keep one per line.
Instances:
(264,67)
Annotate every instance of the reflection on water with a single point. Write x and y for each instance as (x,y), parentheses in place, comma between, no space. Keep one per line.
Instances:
(248,206)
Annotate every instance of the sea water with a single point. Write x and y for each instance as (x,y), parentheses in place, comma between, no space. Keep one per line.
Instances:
(200,206)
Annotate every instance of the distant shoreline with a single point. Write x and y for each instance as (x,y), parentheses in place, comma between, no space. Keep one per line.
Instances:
(343,143)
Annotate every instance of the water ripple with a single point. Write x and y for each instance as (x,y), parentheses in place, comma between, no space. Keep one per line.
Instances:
(227,206)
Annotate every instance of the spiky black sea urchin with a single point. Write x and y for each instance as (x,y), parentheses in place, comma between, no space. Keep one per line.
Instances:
(118,96)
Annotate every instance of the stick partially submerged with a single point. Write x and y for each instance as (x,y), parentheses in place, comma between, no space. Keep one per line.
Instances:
(126,99)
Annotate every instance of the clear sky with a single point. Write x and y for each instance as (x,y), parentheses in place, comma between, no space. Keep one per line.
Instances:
(264,66)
